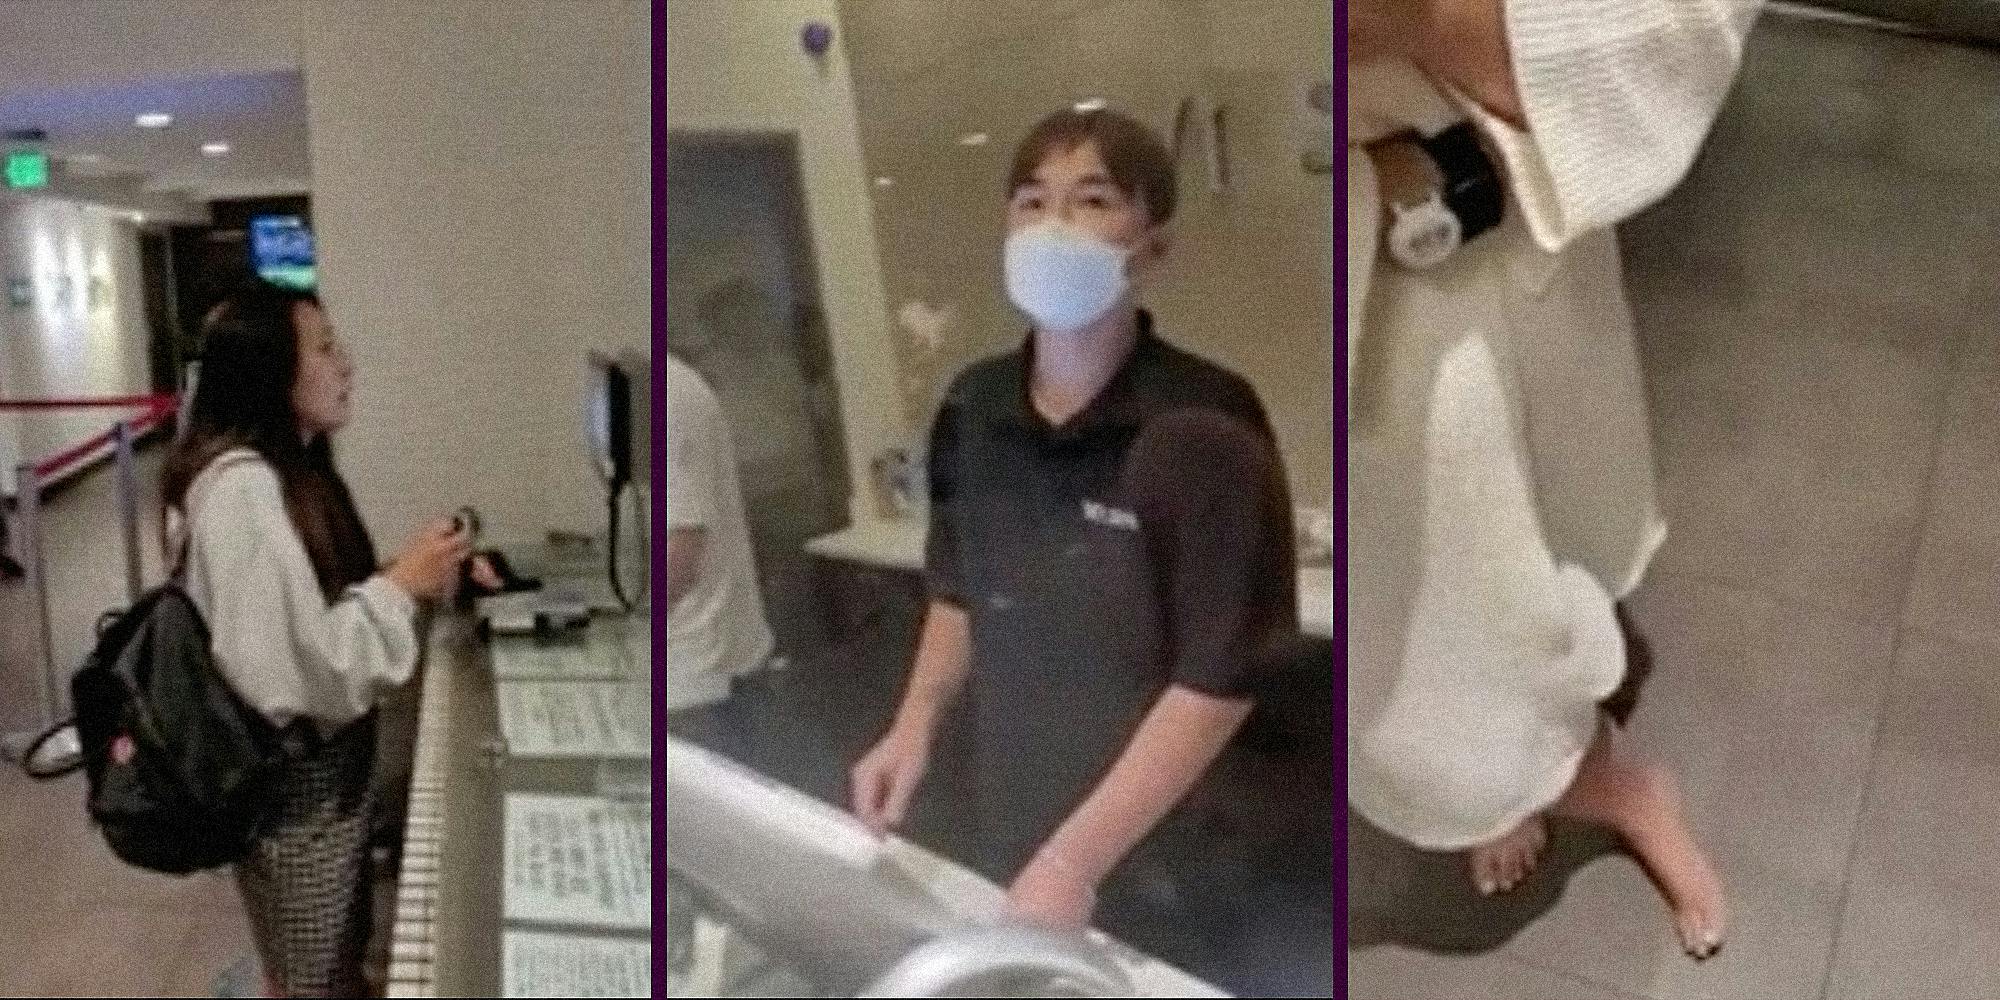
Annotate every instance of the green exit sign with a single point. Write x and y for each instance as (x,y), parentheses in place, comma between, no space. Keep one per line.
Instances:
(27,169)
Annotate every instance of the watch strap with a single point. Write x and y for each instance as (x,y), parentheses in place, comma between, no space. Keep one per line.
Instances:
(1472,188)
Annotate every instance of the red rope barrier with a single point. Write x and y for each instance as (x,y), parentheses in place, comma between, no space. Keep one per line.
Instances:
(156,416)
(49,466)
(157,409)
(97,401)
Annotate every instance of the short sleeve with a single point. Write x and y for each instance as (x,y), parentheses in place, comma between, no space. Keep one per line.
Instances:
(692,456)
(943,567)
(1619,96)
(1213,505)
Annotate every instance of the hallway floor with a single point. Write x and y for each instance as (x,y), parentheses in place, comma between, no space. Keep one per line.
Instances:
(1819,311)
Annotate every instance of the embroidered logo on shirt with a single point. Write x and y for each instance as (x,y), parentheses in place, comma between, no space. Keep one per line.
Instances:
(1110,517)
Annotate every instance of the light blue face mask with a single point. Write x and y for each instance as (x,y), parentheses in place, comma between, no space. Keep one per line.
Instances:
(1063,277)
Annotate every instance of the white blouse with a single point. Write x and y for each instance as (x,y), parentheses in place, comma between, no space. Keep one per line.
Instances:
(276,640)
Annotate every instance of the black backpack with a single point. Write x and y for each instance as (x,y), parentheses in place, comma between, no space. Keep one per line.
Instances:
(182,772)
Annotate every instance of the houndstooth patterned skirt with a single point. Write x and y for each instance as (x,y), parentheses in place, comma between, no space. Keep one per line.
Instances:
(305,882)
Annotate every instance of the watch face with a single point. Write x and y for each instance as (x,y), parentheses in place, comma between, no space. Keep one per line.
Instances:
(1424,236)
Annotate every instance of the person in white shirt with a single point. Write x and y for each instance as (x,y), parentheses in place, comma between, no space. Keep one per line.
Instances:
(9,569)
(1501,496)
(303,625)
(716,629)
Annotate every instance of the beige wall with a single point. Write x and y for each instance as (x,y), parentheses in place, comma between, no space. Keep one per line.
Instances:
(1250,282)
(482,191)
(1282,35)
(84,333)
(739,67)
(482,195)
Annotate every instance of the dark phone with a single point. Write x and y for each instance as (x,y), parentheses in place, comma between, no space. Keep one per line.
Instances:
(510,581)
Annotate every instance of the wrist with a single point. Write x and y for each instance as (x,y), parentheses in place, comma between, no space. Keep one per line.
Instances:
(914,726)
(1405,174)
(400,575)
(1055,858)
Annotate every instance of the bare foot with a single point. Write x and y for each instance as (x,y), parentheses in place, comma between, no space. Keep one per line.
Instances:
(1658,833)
(1641,801)
(1501,865)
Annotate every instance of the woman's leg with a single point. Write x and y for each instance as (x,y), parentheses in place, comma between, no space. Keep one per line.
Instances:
(1640,800)
(1505,863)
(304,882)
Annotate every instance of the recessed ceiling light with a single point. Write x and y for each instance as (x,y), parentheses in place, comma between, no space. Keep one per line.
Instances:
(154,119)
(139,217)
(1089,104)
(882,182)
(215,149)
(974,139)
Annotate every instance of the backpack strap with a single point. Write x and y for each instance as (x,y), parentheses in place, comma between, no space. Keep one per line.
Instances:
(177,568)
(34,752)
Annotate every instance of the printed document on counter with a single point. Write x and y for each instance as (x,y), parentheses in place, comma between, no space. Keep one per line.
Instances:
(589,661)
(568,965)
(576,719)
(577,861)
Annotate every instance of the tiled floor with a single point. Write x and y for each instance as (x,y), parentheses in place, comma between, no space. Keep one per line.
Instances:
(1822,346)
(80,923)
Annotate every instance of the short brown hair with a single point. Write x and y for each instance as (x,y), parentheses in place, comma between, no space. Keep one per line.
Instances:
(1136,158)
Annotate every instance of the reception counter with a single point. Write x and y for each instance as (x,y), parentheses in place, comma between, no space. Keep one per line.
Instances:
(526,868)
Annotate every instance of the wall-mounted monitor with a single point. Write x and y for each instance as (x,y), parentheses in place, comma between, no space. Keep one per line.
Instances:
(281,251)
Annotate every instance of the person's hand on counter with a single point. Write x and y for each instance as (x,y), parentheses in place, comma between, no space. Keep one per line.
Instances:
(1050,893)
(887,777)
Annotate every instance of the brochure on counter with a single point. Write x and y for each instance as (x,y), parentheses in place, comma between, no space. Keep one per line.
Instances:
(576,719)
(578,862)
(537,964)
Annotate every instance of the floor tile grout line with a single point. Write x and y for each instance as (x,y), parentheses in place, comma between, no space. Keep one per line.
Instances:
(1899,629)
(1618,992)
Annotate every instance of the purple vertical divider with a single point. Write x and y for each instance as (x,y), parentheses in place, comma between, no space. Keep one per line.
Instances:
(657,534)
(1338,380)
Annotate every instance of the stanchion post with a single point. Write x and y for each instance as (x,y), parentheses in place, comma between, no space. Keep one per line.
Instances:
(28,485)
(128,506)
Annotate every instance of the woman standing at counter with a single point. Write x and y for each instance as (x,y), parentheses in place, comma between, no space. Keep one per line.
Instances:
(1110,560)
(303,626)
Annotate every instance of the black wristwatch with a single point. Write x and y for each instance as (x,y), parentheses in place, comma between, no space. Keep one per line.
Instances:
(1472,187)
(1470,202)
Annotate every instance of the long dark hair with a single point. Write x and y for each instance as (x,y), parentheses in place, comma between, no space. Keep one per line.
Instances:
(243,399)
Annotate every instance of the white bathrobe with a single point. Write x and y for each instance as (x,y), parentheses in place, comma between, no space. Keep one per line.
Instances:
(1500,481)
